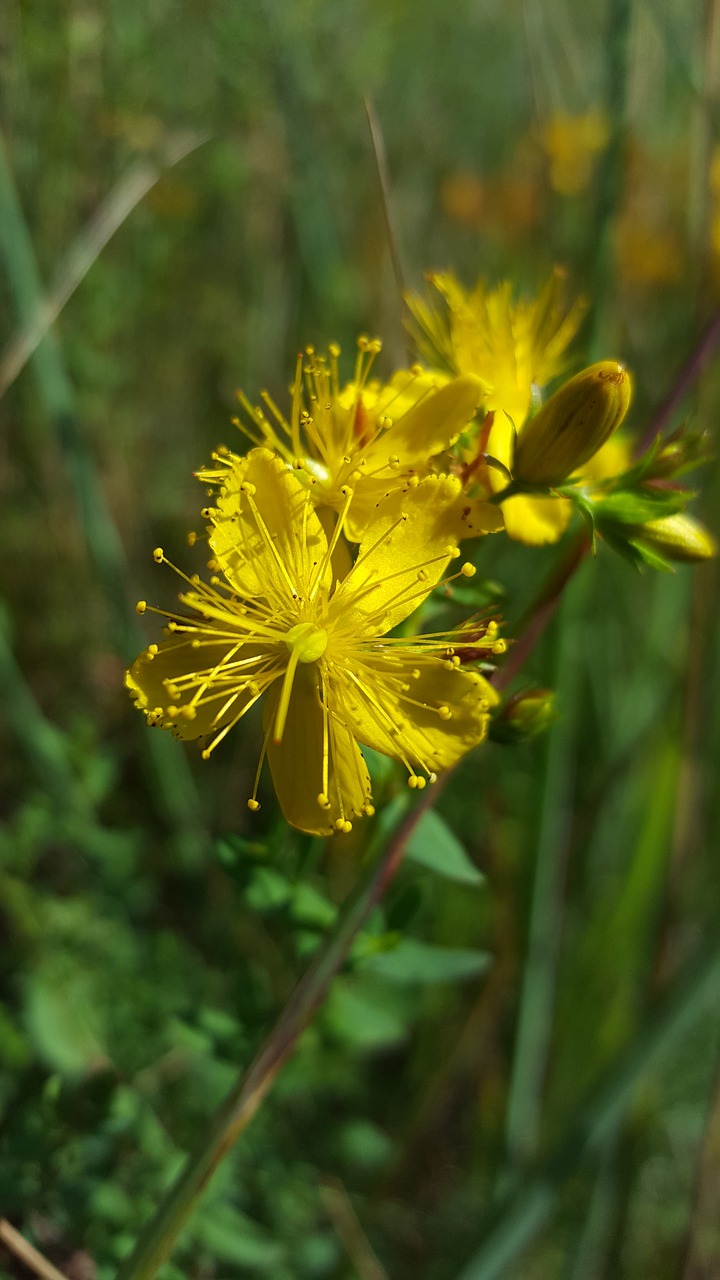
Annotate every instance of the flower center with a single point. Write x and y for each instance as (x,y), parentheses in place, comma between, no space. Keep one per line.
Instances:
(306,642)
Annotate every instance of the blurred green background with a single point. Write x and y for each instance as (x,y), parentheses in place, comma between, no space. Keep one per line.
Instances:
(482,1082)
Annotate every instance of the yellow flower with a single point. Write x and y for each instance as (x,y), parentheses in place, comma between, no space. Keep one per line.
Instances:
(280,624)
(572,144)
(513,346)
(516,347)
(369,435)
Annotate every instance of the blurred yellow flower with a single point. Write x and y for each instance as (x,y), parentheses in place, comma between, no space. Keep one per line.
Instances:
(279,623)
(370,435)
(572,144)
(515,347)
(512,346)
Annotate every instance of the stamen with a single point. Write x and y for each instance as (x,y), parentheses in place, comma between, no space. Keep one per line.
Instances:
(285,692)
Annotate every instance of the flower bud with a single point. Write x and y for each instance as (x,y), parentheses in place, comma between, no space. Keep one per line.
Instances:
(573,424)
(524,716)
(676,537)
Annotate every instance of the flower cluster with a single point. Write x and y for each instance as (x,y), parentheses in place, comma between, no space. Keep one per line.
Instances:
(348,511)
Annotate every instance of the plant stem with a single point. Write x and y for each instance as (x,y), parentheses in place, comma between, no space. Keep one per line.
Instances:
(684,382)
(158,1239)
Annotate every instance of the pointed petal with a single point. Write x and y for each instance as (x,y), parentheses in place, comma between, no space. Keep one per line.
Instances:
(430,426)
(268,539)
(296,763)
(393,704)
(172,674)
(402,556)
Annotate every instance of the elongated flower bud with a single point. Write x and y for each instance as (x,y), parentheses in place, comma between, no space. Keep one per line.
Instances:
(678,537)
(524,716)
(573,425)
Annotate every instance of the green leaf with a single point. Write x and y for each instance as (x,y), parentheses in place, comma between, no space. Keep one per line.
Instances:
(310,907)
(413,961)
(234,1238)
(633,507)
(434,845)
(360,1013)
(268,891)
(63,1019)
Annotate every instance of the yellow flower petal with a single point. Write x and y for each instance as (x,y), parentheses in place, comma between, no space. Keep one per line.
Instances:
(266,538)
(296,763)
(611,460)
(430,426)
(420,710)
(166,683)
(402,556)
(536,521)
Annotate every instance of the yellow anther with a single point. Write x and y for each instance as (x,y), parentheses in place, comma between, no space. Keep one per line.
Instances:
(152,650)
(253,805)
(339,824)
(413,781)
(192,538)
(393,462)
(468,570)
(368,809)
(141,606)
(334,349)
(415,673)
(499,647)
(173,712)
(188,712)
(158,555)
(248,488)
(445,713)
(323,801)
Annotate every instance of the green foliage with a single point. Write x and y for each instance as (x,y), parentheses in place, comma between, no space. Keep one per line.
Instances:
(144,960)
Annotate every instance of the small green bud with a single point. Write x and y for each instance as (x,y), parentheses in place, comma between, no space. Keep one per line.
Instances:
(573,424)
(676,537)
(524,716)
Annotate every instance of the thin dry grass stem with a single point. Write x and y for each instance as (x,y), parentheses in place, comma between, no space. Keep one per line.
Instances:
(88,246)
(27,1253)
(383,174)
(340,1211)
